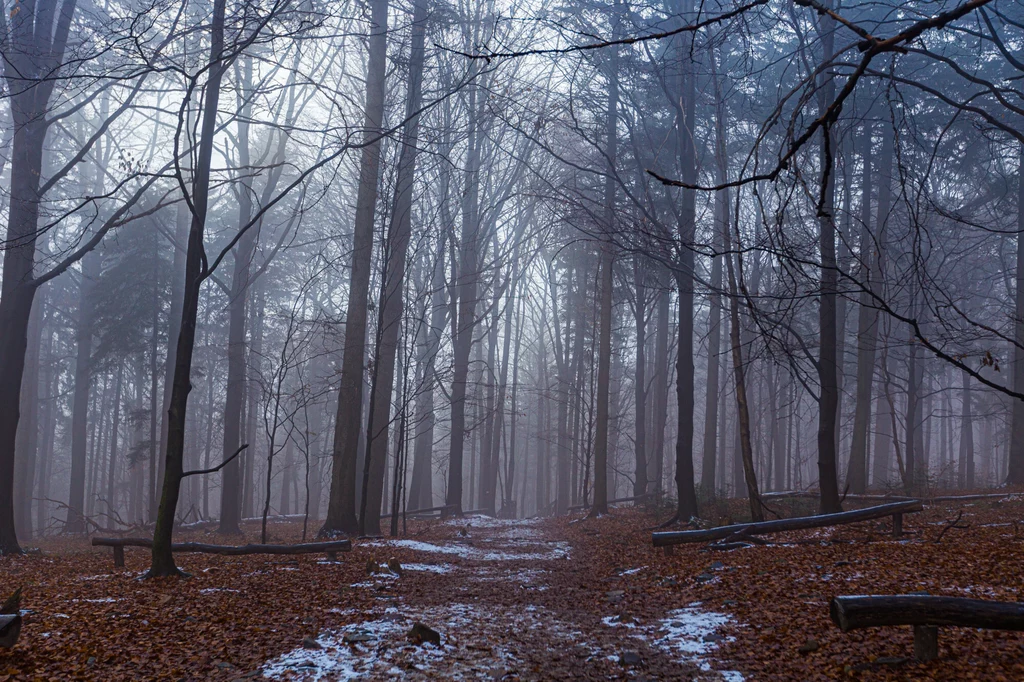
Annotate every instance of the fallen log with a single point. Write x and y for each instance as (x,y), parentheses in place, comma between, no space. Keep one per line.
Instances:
(968,498)
(444,510)
(869,497)
(618,500)
(896,510)
(814,494)
(331,549)
(925,613)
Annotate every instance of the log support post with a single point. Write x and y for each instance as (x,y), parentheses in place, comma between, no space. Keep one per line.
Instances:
(897,524)
(332,556)
(10,628)
(118,556)
(926,642)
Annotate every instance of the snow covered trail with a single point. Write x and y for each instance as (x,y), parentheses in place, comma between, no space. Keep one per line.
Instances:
(510,600)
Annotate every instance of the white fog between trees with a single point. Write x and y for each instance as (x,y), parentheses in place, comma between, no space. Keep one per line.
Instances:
(345,260)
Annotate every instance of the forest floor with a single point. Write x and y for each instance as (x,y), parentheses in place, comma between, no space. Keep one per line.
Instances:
(552,599)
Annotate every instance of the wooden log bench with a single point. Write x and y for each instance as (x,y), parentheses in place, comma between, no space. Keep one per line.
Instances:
(331,549)
(10,628)
(925,613)
(896,510)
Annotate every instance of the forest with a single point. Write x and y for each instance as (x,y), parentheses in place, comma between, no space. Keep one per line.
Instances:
(488,339)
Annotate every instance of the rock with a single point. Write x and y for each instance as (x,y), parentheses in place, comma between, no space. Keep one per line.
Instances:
(622,618)
(729,602)
(842,563)
(310,643)
(356,637)
(395,566)
(704,578)
(91,661)
(716,566)
(223,665)
(808,646)
(614,596)
(712,638)
(420,634)
(630,658)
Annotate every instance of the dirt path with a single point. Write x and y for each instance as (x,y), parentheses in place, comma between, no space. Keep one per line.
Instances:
(510,600)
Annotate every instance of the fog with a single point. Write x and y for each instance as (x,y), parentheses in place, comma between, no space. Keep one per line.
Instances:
(357,263)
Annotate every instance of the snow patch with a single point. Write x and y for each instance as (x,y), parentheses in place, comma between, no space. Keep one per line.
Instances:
(554,550)
(337,659)
(102,600)
(429,568)
(691,633)
(618,622)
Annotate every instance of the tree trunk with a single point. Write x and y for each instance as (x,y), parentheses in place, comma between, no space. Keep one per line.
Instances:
(1015,475)
(163,560)
(828,379)
(421,493)
(392,292)
(499,406)
(746,447)
(661,379)
(912,420)
(80,397)
(466,292)
(48,421)
(234,396)
(867,328)
(341,510)
(177,293)
(508,505)
(490,380)
(965,470)
(112,462)
(640,380)
(686,119)
(252,396)
(28,427)
(37,50)
(710,454)
(606,281)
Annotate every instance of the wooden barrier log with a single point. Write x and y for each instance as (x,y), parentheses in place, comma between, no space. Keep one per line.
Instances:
(852,497)
(329,548)
(666,538)
(444,510)
(618,500)
(925,613)
(851,613)
(878,497)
